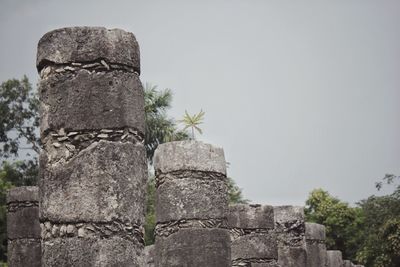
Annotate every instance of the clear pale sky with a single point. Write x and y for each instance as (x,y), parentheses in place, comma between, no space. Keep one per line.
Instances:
(300,94)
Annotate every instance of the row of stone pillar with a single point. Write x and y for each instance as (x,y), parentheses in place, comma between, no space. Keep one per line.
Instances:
(93,173)
(260,235)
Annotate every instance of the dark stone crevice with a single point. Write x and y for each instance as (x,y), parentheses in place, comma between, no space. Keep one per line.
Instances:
(188,174)
(168,228)
(47,67)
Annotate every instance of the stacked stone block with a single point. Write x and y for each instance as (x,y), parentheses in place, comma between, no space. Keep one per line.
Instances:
(290,229)
(253,241)
(191,205)
(23,229)
(334,258)
(316,248)
(93,163)
(148,256)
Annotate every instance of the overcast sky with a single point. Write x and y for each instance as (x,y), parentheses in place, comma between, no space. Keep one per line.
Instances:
(300,94)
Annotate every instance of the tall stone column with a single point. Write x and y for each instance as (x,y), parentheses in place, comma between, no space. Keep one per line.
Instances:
(290,229)
(93,163)
(316,248)
(191,205)
(334,258)
(253,240)
(23,230)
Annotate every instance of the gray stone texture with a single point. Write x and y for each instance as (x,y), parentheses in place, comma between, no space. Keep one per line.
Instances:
(189,155)
(334,258)
(290,230)
(347,263)
(104,182)
(24,252)
(23,229)
(75,251)
(251,216)
(99,185)
(316,248)
(191,185)
(89,101)
(252,238)
(148,256)
(86,44)
(191,199)
(23,194)
(255,246)
(194,247)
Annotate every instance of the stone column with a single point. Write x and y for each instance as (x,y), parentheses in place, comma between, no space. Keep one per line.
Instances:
(191,205)
(290,229)
(148,256)
(253,242)
(23,230)
(334,258)
(316,248)
(93,163)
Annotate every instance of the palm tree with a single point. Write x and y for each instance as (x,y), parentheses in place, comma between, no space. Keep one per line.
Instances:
(159,127)
(193,122)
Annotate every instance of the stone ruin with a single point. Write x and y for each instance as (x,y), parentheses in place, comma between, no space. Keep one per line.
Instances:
(89,207)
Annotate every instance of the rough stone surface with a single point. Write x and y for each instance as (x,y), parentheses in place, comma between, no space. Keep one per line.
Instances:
(315,241)
(104,182)
(87,101)
(86,44)
(23,223)
(290,229)
(189,155)
(148,256)
(191,199)
(315,231)
(255,246)
(194,247)
(316,254)
(24,252)
(75,251)
(251,216)
(347,263)
(334,258)
(23,193)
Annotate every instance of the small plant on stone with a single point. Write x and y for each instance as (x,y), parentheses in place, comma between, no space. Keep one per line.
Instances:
(193,122)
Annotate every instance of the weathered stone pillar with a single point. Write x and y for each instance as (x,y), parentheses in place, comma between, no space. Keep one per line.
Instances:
(191,205)
(290,229)
(23,230)
(253,239)
(93,163)
(316,248)
(334,258)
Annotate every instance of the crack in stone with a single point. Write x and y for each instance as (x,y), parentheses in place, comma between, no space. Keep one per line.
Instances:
(314,241)
(99,65)
(128,231)
(239,232)
(291,233)
(63,145)
(168,228)
(247,262)
(14,206)
(188,174)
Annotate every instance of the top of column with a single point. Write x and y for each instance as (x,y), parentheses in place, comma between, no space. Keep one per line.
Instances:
(189,156)
(88,44)
(23,194)
(251,216)
(315,231)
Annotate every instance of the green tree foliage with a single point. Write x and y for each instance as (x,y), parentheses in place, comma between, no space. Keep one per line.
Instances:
(381,244)
(19,118)
(342,222)
(159,127)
